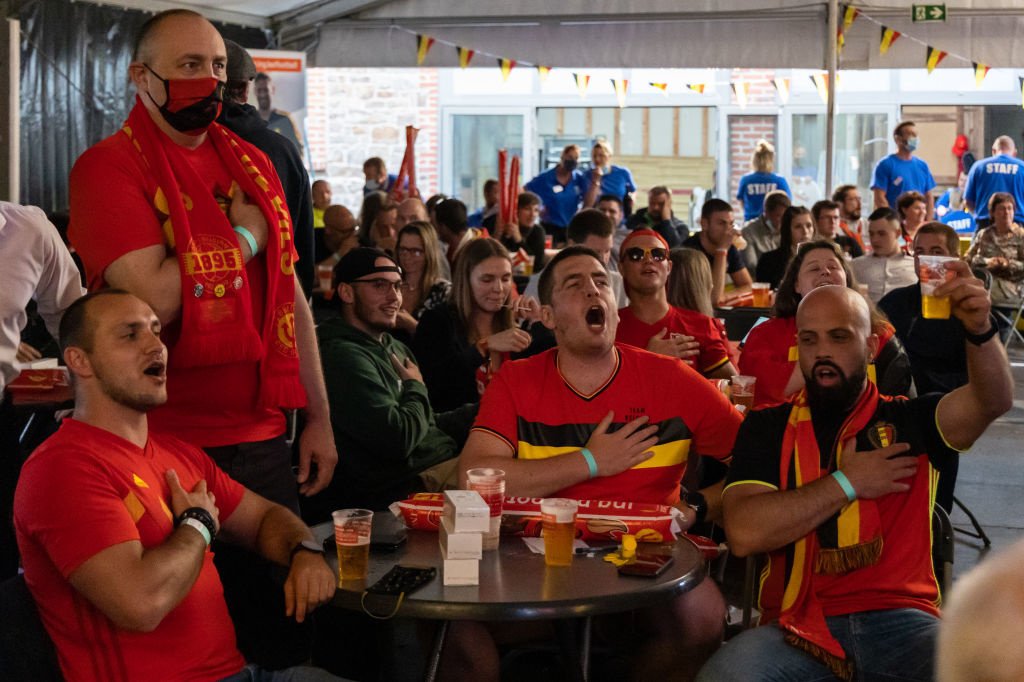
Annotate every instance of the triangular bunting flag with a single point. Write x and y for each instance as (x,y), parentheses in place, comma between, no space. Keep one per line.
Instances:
(663,87)
(506,67)
(782,86)
(697,87)
(820,81)
(849,15)
(935,55)
(889,37)
(465,56)
(423,44)
(582,83)
(741,90)
(840,40)
(980,71)
(544,72)
(620,85)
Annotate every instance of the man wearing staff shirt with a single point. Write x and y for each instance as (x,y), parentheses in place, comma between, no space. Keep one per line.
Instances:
(1001,172)
(199,230)
(593,419)
(561,190)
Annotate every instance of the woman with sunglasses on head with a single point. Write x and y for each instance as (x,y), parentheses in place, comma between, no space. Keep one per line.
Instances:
(770,350)
(460,345)
(650,322)
(423,287)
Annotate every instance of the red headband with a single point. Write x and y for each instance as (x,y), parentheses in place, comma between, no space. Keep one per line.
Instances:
(636,234)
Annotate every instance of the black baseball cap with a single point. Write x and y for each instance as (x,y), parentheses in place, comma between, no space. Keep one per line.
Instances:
(241,68)
(359,263)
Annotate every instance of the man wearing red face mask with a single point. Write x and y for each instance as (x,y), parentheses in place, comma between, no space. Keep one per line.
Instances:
(181,212)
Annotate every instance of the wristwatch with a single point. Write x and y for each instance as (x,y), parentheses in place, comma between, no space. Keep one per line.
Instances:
(697,503)
(307,546)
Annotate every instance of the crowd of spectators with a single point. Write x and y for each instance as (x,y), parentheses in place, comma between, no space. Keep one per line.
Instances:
(574,343)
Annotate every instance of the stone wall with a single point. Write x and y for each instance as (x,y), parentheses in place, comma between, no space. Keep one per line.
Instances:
(354,114)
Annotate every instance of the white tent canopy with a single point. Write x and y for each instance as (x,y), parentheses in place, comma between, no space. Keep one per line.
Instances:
(616,34)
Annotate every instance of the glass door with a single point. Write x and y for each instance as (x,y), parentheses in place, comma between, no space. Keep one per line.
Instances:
(470,158)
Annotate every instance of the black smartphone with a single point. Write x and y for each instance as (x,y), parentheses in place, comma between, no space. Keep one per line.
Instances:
(647,565)
(403,579)
(387,533)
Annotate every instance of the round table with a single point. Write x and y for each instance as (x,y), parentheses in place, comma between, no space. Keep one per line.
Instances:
(515,584)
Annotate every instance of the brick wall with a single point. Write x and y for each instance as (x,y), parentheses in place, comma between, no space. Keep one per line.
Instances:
(746,130)
(354,114)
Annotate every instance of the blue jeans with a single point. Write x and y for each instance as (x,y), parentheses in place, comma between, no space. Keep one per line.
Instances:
(254,673)
(897,644)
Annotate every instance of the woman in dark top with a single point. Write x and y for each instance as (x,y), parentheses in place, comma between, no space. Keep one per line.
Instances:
(461,344)
(423,288)
(797,227)
(526,232)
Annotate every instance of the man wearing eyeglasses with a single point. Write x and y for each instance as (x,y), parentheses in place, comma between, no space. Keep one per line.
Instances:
(650,322)
(380,409)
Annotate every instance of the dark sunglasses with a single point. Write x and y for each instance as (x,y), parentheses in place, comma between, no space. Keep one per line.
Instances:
(637,253)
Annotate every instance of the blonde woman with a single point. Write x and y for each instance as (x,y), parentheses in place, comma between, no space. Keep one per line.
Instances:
(689,287)
(423,287)
(606,179)
(755,186)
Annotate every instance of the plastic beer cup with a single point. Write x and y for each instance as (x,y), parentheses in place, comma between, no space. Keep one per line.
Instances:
(742,392)
(352,536)
(933,273)
(762,294)
(558,518)
(490,483)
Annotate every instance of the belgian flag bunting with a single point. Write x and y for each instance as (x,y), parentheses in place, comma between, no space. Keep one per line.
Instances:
(465,56)
(663,87)
(620,85)
(782,86)
(820,81)
(741,90)
(935,55)
(980,71)
(423,44)
(889,36)
(850,14)
(697,87)
(582,83)
(506,67)
(544,72)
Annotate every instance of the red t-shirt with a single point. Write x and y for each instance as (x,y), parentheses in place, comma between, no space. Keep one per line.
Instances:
(111,215)
(713,352)
(770,354)
(85,490)
(539,415)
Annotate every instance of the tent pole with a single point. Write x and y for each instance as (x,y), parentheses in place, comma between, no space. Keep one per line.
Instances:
(830,106)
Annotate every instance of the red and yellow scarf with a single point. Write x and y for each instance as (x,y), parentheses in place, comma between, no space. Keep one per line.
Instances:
(217,325)
(850,540)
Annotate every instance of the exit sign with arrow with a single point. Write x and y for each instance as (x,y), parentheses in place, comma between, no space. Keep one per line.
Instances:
(928,13)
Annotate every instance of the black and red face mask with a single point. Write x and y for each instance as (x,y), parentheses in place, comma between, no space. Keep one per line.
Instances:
(192,103)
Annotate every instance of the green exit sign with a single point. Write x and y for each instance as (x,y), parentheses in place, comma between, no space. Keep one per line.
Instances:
(928,13)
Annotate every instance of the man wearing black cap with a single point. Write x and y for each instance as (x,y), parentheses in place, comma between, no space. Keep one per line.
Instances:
(244,120)
(381,413)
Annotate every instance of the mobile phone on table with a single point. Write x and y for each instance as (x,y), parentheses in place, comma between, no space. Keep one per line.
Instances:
(647,565)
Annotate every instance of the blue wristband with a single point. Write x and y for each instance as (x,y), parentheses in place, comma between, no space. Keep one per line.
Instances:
(591,463)
(247,236)
(845,484)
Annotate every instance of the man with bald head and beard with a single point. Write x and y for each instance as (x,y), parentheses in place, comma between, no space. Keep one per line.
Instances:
(837,486)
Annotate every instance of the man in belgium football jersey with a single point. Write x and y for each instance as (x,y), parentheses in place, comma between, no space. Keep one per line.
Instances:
(651,322)
(838,485)
(593,419)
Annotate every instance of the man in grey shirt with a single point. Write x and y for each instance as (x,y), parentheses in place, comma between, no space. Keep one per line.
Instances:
(762,233)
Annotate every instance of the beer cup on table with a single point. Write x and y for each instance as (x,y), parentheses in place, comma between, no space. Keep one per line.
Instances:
(933,272)
(352,536)
(762,294)
(742,392)
(558,520)
(490,483)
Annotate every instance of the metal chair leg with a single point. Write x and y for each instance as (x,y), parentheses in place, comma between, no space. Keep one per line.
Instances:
(435,655)
(979,531)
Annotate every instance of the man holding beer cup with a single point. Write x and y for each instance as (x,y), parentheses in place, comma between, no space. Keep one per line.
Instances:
(593,419)
(837,486)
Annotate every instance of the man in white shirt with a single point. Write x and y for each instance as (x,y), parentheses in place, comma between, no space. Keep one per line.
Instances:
(37,266)
(887,267)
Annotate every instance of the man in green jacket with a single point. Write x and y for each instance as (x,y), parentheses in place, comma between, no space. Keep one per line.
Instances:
(390,439)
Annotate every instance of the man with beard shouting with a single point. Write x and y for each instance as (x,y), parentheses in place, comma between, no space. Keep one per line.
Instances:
(837,485)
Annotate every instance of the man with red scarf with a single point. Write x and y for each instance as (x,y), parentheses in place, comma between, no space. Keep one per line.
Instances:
(192,219)
(838,484)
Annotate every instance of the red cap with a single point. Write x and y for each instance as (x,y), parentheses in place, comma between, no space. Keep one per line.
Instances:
(640,233)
